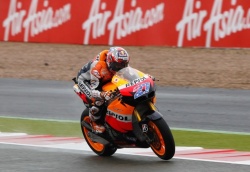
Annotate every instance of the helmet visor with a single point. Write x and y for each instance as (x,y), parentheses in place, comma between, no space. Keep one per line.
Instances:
(116,66)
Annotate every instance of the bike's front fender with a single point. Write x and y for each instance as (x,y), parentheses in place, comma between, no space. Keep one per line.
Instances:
(154,115)
(147,110)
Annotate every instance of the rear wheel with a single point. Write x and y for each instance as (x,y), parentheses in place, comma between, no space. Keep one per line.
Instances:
(98,148)
(163,143)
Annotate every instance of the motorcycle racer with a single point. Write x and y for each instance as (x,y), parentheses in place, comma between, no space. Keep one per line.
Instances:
(93,75)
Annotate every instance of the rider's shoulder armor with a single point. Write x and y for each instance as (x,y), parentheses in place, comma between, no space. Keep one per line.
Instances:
(101,56)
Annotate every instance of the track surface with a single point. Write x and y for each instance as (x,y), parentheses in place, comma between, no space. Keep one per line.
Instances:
(27,159)
(211,109)
(219,109)
(48,153)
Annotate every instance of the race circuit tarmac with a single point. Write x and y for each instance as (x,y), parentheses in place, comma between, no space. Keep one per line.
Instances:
(195,108)
(26,159)
(217,109)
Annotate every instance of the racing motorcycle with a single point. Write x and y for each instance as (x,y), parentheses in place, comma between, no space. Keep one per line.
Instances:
(130,117)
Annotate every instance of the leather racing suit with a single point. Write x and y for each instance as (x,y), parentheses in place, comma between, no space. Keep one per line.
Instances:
(91,77)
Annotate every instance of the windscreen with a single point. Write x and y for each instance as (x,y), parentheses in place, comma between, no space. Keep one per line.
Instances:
(128,73)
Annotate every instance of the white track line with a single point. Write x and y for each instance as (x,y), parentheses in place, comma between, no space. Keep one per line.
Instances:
(83,146)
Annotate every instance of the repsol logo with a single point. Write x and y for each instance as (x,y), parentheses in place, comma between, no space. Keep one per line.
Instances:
(85,89)
(119,117)
(135,81)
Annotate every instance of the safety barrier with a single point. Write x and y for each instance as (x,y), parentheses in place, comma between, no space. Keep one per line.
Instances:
(181,23)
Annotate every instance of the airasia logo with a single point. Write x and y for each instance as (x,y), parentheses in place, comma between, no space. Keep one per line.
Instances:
(219,25)
(122,23)
(32,21)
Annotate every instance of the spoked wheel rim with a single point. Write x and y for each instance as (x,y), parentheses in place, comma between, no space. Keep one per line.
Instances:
(97,146)
(158,144)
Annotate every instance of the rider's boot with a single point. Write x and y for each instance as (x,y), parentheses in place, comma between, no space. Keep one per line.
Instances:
(94,116)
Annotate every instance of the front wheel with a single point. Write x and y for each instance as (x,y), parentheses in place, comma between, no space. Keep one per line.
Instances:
(98,148)
(162,143)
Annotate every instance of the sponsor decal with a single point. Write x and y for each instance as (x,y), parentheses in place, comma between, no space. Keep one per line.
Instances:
(220,24)
(96,74)
(144,128)
(214,23)
(115,80)
(119,117)
(85,89)
(122,54)
(135,81)
(122,23)
(94,83)
(98,57)
(142,89)
(33,21)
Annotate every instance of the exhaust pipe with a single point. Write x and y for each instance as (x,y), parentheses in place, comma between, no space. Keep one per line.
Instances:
(95,137)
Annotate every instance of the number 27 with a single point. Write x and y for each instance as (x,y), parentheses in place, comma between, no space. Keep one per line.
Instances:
(143,89)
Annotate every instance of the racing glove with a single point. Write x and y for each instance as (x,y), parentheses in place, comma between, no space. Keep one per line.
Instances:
(104,94)
(107,95)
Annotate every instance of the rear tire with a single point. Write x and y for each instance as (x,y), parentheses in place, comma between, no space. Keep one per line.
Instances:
(163,143)
(98,148)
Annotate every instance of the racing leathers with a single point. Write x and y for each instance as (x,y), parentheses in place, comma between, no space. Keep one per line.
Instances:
(91,77)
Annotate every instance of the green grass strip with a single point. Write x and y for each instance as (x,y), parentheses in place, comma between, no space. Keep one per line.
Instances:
(195,138)
(48,127)
(212,140)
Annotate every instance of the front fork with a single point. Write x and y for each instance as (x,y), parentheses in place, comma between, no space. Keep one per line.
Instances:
(151,107)
(143,114)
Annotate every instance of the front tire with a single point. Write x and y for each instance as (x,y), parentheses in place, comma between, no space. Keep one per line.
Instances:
(163,143)
(98,148)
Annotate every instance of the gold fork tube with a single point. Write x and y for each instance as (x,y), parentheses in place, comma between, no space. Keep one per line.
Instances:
(137,115)
(152,106)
